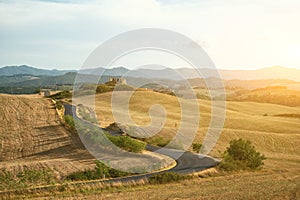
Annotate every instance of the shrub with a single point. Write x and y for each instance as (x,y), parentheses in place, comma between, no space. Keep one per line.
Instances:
(196,147)
(59,105)
(62,95)
(241,155)
(101,88)
(166,177)
(70,121)
(127,143)
(101,171)
(96,136)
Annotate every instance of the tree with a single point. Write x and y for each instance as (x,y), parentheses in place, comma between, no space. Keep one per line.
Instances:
(241,155)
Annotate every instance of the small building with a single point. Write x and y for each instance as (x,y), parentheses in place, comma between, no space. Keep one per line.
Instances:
(116,80)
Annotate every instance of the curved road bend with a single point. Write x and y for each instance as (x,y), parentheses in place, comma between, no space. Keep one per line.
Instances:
(187,163)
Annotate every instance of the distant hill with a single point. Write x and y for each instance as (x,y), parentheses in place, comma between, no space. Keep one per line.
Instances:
(24,69)
(25,78)
(189,73)
(167,73)
(37,81)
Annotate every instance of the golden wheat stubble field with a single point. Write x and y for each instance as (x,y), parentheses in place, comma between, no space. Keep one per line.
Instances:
(278,138)
(31,125)
(33,137)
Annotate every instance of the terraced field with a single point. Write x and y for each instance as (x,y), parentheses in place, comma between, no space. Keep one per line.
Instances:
(32,137)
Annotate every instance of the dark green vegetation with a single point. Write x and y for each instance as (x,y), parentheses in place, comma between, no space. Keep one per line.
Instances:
(241,155)
(70,121)
(196,147)
(101,88)
(101,171)
(25,179)
(167,177)
(127,143)
(62,95)
(59,105)
(97,137)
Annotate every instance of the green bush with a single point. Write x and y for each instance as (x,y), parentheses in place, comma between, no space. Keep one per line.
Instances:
(127,143)
(101,88)
(59,105)
(166,177)
(101,171)
(196,147)
(62,95)
(70,121)
(96,136)
(241,155)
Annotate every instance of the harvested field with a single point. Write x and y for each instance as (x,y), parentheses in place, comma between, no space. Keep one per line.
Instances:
(31,124)
(32,136)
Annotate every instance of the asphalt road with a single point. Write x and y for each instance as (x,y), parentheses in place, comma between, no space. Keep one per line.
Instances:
(187,163)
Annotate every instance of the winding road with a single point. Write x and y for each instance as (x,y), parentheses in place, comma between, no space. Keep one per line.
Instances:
(187,163)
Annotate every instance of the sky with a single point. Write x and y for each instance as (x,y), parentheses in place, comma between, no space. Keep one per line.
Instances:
(236,34)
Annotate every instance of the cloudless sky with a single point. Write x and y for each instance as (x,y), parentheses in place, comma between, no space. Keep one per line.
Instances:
(236,34)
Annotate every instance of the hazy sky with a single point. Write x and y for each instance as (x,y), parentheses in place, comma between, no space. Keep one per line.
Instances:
(236,34)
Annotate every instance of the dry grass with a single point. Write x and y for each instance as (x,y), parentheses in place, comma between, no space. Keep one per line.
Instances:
(259,185)
(31,124)
(32,137)
(273,136)
(276,137)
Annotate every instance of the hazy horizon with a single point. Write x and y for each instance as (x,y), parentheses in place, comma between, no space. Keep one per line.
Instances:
(146,67)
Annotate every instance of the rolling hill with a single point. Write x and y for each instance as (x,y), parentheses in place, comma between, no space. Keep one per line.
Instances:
(276,137)
(25,69)
(167,73)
